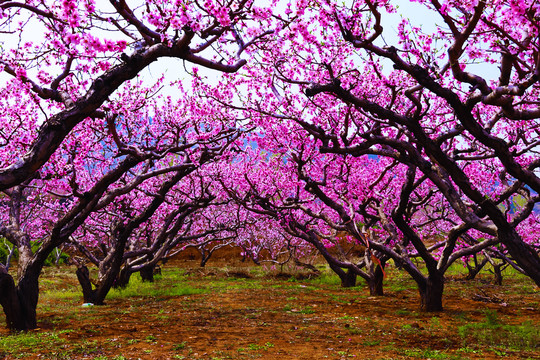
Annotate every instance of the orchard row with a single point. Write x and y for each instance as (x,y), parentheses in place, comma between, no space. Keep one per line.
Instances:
(279,127)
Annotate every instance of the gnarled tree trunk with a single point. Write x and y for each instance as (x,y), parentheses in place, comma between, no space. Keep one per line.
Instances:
(431,293)
(19,302)
(524,255)
(9,300)
(96,294)
(147,272)
(375,282)
(348,279)
(83,275)
(122,281)
(109,270)
(497,271)
(474,270)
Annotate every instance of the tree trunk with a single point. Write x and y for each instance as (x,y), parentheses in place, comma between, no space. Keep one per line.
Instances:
(523,254)
(109,270)
(497,271)
(204,260)
(19,302)
(83,275)
(474,270)
(122,280)
(10,302)
(375,283)
(348,279)
(107,280)
(147,273)
(431,293)
(205,257)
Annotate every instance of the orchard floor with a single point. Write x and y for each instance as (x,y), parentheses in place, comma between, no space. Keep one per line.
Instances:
(245,313)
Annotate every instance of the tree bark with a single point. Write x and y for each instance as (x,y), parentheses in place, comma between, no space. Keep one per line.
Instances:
(375,283)
(147,273)
(497,271)
(19,302)
(83,275)
(523,254)
(205,257)
(107,278)
(431,293)
(474,270)
(204,260)
(10,301)
(348,279)
(122,280)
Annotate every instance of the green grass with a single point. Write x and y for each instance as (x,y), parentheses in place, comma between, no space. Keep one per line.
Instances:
(493,332)
(62,294)
(326,277)
(180,346)
(307,310)
(430,354)
(18,344)
(57,283)
(172,283)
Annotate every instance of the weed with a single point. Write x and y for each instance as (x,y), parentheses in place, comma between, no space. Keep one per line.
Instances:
(493,332)
(306,310)
(371,342)
(435,323)
(355,331)
(151,338)
(137,287)
(403,312)
(430,354)
(180,346)
(468,350)
(492,319)
(63,294)
(256,347)
(339,298)
(326,278)
(462,317)
(220,354)
(16,344)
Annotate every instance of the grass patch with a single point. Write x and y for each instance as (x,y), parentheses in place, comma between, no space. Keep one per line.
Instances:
(326,278)
(62,294)
(430,354)
(21,344)
(493,332)
(171,284)
(404,312)
(398,281)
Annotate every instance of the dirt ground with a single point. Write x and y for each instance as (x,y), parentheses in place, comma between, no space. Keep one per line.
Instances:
(242,315)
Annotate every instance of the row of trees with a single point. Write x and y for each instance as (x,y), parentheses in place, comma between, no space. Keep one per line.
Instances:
(325,130)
